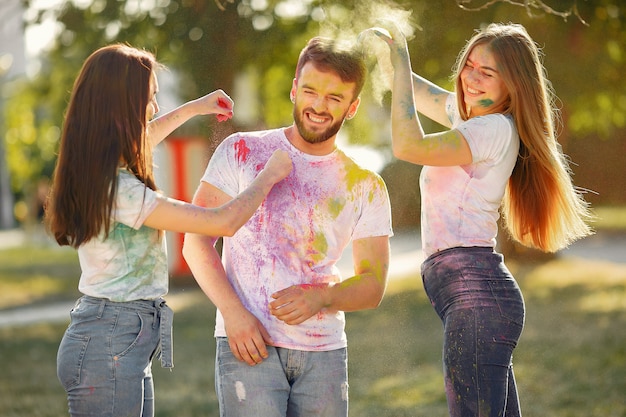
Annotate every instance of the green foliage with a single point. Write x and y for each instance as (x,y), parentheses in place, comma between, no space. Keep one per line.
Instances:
(208,44)
(37,274)
(586,64)
(30,139)
(275,90)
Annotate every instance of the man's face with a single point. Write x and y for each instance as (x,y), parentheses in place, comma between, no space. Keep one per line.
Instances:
(322,101)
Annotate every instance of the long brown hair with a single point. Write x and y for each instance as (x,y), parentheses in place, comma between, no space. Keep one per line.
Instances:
(541,206)
(105,127)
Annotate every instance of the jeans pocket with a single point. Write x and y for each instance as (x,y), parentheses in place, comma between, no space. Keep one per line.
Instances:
(70,359)
(130,329)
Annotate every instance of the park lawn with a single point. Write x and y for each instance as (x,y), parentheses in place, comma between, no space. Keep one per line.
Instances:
(37,274)
(570,362)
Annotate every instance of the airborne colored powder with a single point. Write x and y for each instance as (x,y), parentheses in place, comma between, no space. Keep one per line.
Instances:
(346,25)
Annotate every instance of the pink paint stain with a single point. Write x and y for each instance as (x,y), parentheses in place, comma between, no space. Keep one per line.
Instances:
(314,335)
(242,151)
(223,104)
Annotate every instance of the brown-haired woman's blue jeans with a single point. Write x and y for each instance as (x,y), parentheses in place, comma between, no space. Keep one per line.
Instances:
(482,310)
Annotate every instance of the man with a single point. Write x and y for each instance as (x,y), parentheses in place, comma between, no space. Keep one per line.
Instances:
(281,345)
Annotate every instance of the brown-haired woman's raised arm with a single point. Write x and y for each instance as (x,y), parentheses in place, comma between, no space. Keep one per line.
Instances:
(217,102)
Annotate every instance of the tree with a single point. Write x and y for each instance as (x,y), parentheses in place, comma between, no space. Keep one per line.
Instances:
(209,45)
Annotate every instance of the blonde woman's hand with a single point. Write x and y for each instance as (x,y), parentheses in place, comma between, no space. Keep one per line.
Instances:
(389,32)
(279,165)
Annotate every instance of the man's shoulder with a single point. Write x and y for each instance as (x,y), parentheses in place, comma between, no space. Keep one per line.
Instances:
(267,134)
(358,168)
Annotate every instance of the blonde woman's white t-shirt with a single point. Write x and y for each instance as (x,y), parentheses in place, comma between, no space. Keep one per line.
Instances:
(460,204)
(298,233)
(131,263)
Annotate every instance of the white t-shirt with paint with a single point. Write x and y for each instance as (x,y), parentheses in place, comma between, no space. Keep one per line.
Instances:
(299,232)
(460,204)
(131,264)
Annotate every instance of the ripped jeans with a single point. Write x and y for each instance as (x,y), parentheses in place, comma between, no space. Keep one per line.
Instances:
(289,383)
(482,310)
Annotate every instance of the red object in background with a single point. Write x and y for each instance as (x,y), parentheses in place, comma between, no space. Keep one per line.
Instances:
(179,180)
(178,172)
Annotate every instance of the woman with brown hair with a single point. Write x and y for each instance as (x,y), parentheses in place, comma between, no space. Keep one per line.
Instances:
(104,202)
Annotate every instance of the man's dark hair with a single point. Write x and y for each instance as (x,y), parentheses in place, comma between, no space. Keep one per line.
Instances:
(330,55)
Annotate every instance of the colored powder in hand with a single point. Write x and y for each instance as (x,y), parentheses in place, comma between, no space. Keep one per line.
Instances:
(223,104)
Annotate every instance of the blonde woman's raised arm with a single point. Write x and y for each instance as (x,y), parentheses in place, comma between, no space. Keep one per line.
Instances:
(409,142)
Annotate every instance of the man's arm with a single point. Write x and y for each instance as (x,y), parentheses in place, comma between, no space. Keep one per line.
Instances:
(246,335)
(364,290)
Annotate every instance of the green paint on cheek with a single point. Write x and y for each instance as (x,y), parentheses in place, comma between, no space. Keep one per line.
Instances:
(486,102)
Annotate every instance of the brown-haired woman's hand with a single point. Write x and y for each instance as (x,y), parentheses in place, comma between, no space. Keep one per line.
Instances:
(218,103)
(279,165)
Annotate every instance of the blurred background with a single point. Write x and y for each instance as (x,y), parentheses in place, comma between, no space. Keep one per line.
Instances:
(571,360)
(249,49)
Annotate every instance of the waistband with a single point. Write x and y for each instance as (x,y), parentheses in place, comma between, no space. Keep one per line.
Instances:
(161,311)
(461,249)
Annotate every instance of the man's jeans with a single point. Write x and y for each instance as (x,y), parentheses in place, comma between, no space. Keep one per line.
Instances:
(482,310)
(105,357)
(290,383)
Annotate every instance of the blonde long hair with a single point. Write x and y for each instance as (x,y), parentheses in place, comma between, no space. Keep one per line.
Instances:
(542,208)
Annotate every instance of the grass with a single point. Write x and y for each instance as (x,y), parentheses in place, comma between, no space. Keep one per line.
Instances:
(37,273)
(571,361)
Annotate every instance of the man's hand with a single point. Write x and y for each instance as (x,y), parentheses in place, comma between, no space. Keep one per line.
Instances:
(298,303)
(247,338)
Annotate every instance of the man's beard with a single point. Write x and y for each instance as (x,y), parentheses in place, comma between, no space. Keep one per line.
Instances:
(311,136)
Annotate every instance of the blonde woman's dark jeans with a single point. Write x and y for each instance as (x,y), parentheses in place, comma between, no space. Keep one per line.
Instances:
(482,310)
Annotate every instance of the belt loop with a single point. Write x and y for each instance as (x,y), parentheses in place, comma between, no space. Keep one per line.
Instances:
(103,304)
(157,315)
(165,329)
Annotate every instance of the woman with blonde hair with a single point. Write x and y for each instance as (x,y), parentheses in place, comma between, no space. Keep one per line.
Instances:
(104,202)
(500,152)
